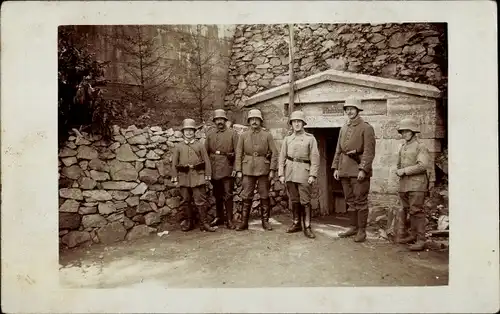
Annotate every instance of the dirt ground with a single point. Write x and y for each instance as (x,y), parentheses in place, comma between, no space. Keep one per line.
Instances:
(253,258)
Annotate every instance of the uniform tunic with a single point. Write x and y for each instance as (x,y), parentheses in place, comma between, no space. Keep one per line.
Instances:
(251,151)
(304,146)
(225,142)
(414,160)
(355,135)
(190,153)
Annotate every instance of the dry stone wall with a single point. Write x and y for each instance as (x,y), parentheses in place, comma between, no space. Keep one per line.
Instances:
(110,191)
(259,60)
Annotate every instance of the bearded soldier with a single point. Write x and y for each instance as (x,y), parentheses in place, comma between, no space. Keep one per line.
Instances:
(412,170)
(220,145)
(191,171)
(256,162)
(352,165)
(298,166)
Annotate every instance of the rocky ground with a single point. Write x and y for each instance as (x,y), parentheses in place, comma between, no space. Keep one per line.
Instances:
(254,258)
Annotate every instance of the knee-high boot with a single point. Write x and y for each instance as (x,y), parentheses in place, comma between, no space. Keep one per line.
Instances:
(265,212)
(307,221)
(419,223)
(219,213)
(229,213)
(187,224)
(362,221)
(353,228)
(296,224)
(204,225)
(245,212)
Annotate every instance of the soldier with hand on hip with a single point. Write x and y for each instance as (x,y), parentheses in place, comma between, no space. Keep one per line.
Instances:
(298,166)
(352,165)
(220,145)
(412,170)
(256,162)
(191,171)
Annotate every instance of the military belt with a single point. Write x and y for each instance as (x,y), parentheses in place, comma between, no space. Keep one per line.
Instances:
(185,168)
(305,161)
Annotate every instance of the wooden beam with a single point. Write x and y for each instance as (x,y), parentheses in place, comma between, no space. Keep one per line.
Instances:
(290,70)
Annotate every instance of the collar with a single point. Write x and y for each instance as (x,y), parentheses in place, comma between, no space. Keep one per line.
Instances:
(301,132)
(189,142)
(223,130)
(257,130)
(413,140)
(356,121)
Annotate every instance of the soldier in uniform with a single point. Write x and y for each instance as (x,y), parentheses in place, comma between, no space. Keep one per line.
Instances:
(352,165)
(256,162)
(412,170)
(298,166)
(220,145)
(191,171)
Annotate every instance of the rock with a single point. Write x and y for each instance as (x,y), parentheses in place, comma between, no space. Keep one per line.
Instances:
(165,210)
(97,195)
(149,196)
(140,231)
(122,171)
(120,195)
(75,185)
(339,64)
(169,132)
(74,172)
(130,212)
(149,176)
(158,187)
(111,233)
(87,152)
(69,220)
(106,208)
(63,232)
(67,152)
(93,221)
(87,183)
(140,189)
(115,146)
(158,139)
(75,194)
(376,38)
(255,204)
(163,168)
(99,165)
(125,153)
(68,161)
(116,217)
(161,199)
(84,210)
(141,153)
(119,185)
(75,238)
(138,139)
(150,164)
(143,207)
(400,39)
(65,182)
(152,218)
(82,141)
(84,164)
(120,139)
(69,206)
(132,201)
(127,223)
(389,70)
(152,155)
(160,152)
(121,204)
(173,202)
(107,154)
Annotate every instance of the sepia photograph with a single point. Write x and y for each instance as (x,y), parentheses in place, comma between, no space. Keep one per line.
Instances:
(239,154)
(249,157)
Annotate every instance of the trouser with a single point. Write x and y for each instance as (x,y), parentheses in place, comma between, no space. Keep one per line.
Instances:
(413,203)
(223,193)
(356,198)
(197,194)
(299,192)
(248,185)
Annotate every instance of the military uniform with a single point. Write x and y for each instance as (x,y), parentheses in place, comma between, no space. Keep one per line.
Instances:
(256,156)
(220,146)
(190,166)
(299,160)
(413,162)
(355,151)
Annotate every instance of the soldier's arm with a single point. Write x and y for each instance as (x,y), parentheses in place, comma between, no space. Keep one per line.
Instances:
(235,139)
(207,139)
(369,149)
(314,157)
(175,161)
(335,163)
(208,166)
(422,162)
(281,159)
(274,152)
(239,152)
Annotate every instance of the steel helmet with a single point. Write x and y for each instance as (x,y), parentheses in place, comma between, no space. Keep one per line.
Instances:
(353,102)
(298,115)
(255,113)
(219,113)
(188,124)
(409,124)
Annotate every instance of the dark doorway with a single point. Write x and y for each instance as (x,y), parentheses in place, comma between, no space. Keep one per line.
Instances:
(329,191)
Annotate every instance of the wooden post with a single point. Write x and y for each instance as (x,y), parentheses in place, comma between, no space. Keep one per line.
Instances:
(290,69)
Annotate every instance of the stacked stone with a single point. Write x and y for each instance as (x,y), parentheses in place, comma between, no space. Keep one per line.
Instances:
(112,191)
(410,52)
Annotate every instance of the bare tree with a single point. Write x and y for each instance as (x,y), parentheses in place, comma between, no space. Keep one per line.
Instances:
(143,62)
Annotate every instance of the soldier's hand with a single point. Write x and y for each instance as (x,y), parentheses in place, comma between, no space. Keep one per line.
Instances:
(233,174)
(311,180)
(174,180)
(400,172)
(207,178)
(361,175)
(336,174)
(239,175)
(282,179)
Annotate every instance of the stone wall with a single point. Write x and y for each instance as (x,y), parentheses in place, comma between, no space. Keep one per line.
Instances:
(413,52)
(112,191)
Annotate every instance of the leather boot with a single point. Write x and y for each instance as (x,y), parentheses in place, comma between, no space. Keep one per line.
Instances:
(204,225)
(187,224)
(353,229)
(411,235)
(362,220)
(296,225)
(419,222)
(219,216)
(265,212)
(229,214)
(307,221)
(245,212)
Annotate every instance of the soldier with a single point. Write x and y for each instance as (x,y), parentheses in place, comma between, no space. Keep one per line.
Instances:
(412,168)
(220,145)
(298,166)
(191,171)
(256,162)
(352,165)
